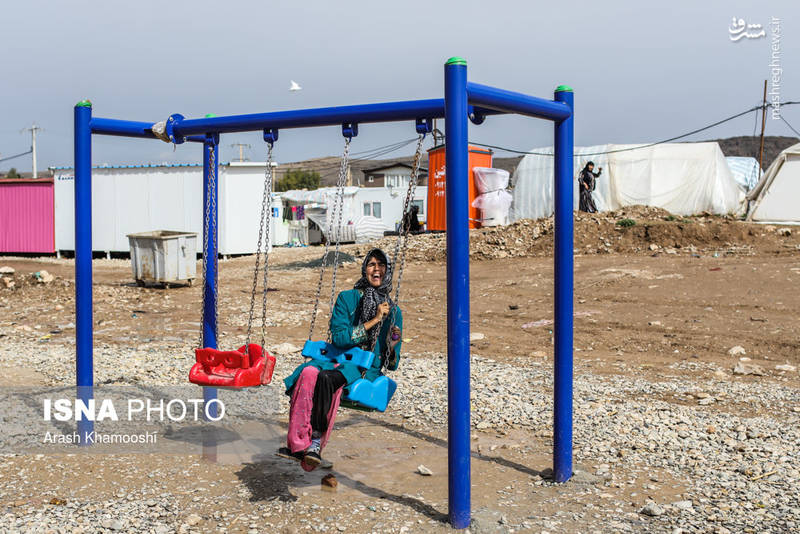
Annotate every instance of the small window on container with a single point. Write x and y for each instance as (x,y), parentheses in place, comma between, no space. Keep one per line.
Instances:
(367,207)
(376,210)
(419,204)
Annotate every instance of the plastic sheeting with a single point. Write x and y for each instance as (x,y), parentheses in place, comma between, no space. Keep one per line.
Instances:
(362,229)
(493,200)
(683,178)
(323,195)
(368,229)
(744,170)
(776,195)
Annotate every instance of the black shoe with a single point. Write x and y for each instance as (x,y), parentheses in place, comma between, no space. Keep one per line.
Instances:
(285,452)
(312,456)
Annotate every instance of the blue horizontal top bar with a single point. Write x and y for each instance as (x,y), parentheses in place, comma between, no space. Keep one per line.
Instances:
(485,100)
(384,112)
(511,102)
(129,129)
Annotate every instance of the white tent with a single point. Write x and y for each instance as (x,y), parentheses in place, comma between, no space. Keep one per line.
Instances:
(775,196)
(683,178)
(745,170)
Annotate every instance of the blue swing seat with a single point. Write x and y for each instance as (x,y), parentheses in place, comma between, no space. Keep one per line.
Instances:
(373,395)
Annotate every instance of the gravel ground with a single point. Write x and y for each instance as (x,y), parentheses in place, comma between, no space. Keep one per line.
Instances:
(740,472)
(662,443)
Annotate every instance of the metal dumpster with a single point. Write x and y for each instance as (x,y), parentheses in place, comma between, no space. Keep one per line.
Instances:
(163,256)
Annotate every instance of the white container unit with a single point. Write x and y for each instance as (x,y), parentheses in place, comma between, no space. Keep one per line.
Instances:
(144,198)
(163,257)
(366,212)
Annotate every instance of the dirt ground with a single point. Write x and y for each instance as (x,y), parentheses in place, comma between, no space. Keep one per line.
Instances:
(636,314)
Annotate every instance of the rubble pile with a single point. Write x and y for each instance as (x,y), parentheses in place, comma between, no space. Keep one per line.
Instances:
(635,229)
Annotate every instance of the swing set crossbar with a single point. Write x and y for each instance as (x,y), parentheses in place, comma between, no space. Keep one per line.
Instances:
(486,101)
(463,102)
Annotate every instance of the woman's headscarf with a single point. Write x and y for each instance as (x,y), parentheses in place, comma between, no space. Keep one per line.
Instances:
(373,296)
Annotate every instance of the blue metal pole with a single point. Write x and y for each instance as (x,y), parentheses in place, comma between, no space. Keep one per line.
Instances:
(122,128)
(84,364)
(504,101)
(458,384)
(186,129)
(280,120)
(563,313)
(210,229)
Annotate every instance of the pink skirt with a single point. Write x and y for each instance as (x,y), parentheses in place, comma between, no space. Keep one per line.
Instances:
(299,435)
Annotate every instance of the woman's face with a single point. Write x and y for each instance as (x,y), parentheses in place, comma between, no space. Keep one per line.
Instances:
(376,270)
(590,167)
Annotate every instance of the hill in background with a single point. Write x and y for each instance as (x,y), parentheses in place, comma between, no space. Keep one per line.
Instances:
(748,146)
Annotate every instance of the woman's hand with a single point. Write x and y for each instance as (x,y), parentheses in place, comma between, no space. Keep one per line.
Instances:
(380,315)
(393,338)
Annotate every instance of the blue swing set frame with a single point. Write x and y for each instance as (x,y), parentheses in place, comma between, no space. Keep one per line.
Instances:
(463,101)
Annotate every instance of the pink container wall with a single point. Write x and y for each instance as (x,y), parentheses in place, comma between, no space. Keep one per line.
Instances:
(27,216)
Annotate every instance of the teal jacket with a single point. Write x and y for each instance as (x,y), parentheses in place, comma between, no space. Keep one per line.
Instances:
(348,332)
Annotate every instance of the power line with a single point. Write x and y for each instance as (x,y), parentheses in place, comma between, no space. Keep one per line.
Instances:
(17,155)
(789,125)
(364,155)
(732,117)
(398,144)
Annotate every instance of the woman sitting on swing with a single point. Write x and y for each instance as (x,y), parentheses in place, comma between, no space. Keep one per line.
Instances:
(360,318)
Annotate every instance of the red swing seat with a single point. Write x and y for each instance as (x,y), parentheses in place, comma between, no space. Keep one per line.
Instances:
(232,368)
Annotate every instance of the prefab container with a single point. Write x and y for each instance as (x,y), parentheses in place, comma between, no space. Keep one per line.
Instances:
(144,198)
(26,216)
(365,210)
(437,185)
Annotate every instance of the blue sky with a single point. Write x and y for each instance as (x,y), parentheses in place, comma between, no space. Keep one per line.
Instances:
(641,71)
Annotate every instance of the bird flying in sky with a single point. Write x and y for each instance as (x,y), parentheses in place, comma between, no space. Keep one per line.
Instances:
(294,86)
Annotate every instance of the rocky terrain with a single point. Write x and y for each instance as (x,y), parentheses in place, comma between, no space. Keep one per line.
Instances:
(687,394)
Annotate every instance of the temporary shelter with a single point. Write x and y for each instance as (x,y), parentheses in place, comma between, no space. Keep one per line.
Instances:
(367,212)
(775,196)
(129,199)
(683,178)
(26,215)
(745,170)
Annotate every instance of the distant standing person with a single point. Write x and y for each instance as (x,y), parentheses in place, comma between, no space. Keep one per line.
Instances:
(587,183)
(411,219)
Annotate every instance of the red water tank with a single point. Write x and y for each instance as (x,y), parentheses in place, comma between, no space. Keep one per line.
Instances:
(436,218)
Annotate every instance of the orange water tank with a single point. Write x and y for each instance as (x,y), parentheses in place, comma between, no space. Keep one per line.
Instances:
(437,218)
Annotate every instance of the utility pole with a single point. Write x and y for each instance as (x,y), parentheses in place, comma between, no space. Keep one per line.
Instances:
(241,149)
(33,129)
(763,123)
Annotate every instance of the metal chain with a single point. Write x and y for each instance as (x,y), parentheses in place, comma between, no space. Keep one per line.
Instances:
(339,186)
(267,186)
(211,206)
(401,246)
(266,207)
(340,201)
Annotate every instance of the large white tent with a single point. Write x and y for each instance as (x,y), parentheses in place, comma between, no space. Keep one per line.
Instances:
(775,196)
(683,178)
(745,170)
